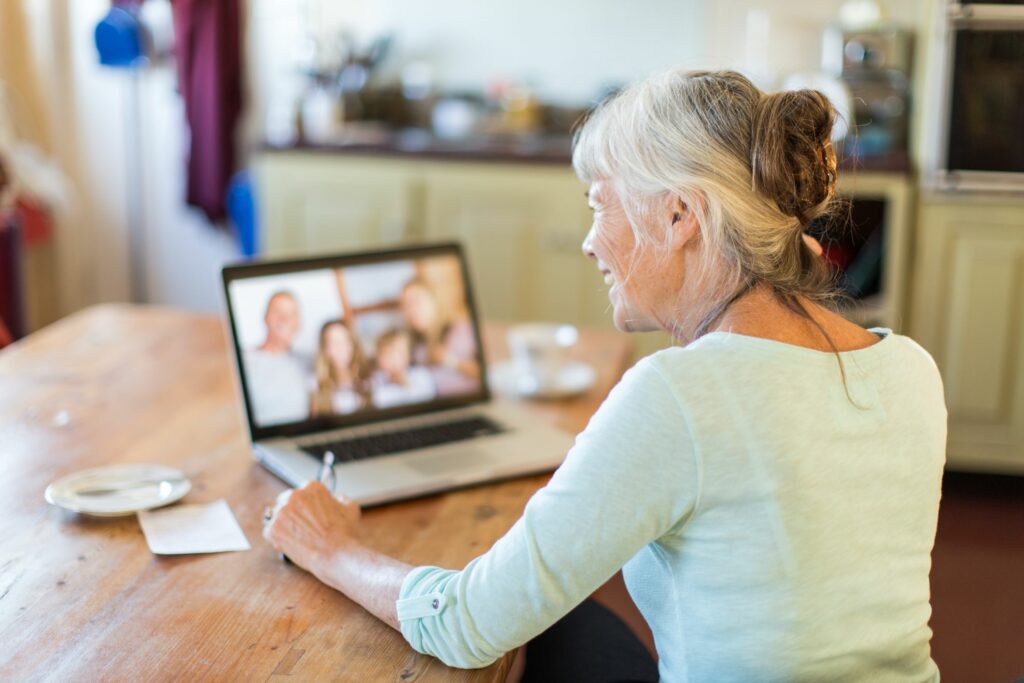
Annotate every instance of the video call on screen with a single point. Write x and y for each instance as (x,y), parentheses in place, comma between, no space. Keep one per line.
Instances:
(338,341)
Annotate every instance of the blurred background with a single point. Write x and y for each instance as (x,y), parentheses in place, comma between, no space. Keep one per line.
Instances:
(144,143)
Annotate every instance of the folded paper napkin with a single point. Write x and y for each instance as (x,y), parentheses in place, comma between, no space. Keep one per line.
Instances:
(186,529)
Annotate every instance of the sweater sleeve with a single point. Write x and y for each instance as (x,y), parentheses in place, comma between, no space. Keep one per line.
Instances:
(631,476)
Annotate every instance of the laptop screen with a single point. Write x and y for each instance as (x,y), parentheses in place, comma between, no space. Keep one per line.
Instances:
(353,339)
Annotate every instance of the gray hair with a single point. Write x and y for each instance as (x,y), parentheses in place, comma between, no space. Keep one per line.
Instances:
(755,168)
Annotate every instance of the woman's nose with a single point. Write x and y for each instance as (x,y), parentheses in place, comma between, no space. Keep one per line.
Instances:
(587,246)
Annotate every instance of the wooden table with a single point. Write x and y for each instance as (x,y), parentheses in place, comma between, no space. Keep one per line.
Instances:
(83,598)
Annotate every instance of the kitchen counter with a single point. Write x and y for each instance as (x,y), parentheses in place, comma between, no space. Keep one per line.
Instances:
(532,148)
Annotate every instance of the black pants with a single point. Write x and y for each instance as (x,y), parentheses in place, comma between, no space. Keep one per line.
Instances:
(589,644)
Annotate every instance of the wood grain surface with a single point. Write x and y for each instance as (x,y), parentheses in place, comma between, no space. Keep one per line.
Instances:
(83,598)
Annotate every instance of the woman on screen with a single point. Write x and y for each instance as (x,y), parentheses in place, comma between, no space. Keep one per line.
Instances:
(441,340)
(341,374)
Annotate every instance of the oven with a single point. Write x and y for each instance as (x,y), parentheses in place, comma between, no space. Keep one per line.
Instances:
(980,138)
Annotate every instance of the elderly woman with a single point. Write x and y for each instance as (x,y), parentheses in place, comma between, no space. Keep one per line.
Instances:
(770,487)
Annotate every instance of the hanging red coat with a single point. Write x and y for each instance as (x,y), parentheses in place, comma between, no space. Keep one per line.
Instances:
(208,51)
(11,313)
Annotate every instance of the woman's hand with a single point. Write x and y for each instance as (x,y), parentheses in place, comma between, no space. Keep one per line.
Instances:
(318,533)
(312,527)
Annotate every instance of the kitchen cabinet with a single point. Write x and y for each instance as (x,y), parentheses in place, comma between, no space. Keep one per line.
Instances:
(311,203)
(968,312)
(522,232)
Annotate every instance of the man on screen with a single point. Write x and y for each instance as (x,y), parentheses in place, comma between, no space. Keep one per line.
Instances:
(276,374)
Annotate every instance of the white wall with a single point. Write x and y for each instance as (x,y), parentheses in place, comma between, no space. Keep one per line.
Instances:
(183,250)
(569,49)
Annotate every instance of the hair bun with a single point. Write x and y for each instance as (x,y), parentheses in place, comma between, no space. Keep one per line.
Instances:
(791,153)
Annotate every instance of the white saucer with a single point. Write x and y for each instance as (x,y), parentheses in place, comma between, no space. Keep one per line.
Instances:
(573,378)
(158,485)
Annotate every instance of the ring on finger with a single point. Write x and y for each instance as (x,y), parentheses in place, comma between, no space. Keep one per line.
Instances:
(268,514)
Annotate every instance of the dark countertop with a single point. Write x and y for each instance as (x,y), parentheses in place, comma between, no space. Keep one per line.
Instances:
(414,143)
(897,163)
(554,149)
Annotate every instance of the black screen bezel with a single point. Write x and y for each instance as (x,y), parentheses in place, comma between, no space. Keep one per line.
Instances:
(260,268)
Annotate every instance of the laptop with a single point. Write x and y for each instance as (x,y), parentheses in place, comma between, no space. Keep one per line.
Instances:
(376,357)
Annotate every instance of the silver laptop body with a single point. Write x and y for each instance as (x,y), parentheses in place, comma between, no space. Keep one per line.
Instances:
(288,321)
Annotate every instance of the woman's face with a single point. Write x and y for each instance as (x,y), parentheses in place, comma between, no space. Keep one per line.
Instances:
(633,276)
(338,346)
(419,308)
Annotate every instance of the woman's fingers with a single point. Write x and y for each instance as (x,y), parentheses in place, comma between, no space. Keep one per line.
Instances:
(309,521)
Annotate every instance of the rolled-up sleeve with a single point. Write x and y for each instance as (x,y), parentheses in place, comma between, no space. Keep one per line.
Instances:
(631,476)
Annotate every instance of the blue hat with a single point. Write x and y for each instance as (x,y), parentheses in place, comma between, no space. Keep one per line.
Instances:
(119,39)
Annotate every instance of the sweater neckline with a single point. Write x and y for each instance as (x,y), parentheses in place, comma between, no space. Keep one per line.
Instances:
(884,333)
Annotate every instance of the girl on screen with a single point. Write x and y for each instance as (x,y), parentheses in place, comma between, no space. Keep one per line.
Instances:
(396,381)
(341,372)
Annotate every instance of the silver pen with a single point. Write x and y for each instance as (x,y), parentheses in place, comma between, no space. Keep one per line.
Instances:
(326,475)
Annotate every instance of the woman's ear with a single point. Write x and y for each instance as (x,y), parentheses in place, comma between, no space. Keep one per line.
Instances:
(684,222)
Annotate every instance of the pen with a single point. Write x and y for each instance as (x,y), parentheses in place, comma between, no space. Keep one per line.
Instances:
(326,475)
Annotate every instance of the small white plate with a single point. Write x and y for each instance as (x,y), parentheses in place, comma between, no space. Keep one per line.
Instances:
(573,378)
(130,488)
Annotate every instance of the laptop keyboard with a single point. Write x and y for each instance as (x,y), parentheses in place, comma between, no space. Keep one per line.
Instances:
(358,448)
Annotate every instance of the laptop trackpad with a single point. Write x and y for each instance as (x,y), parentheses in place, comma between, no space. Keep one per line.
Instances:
(443,463)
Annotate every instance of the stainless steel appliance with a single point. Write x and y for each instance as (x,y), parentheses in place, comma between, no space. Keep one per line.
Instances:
(980,98)
(876,65)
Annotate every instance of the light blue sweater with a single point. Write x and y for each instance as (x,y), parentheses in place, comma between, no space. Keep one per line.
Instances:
(771,524)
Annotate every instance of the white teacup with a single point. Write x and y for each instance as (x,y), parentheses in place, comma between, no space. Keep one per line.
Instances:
(539,351)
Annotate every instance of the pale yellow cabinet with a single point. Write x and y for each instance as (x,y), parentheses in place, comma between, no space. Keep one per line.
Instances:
(968,311)
(522,230)
(311,203)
